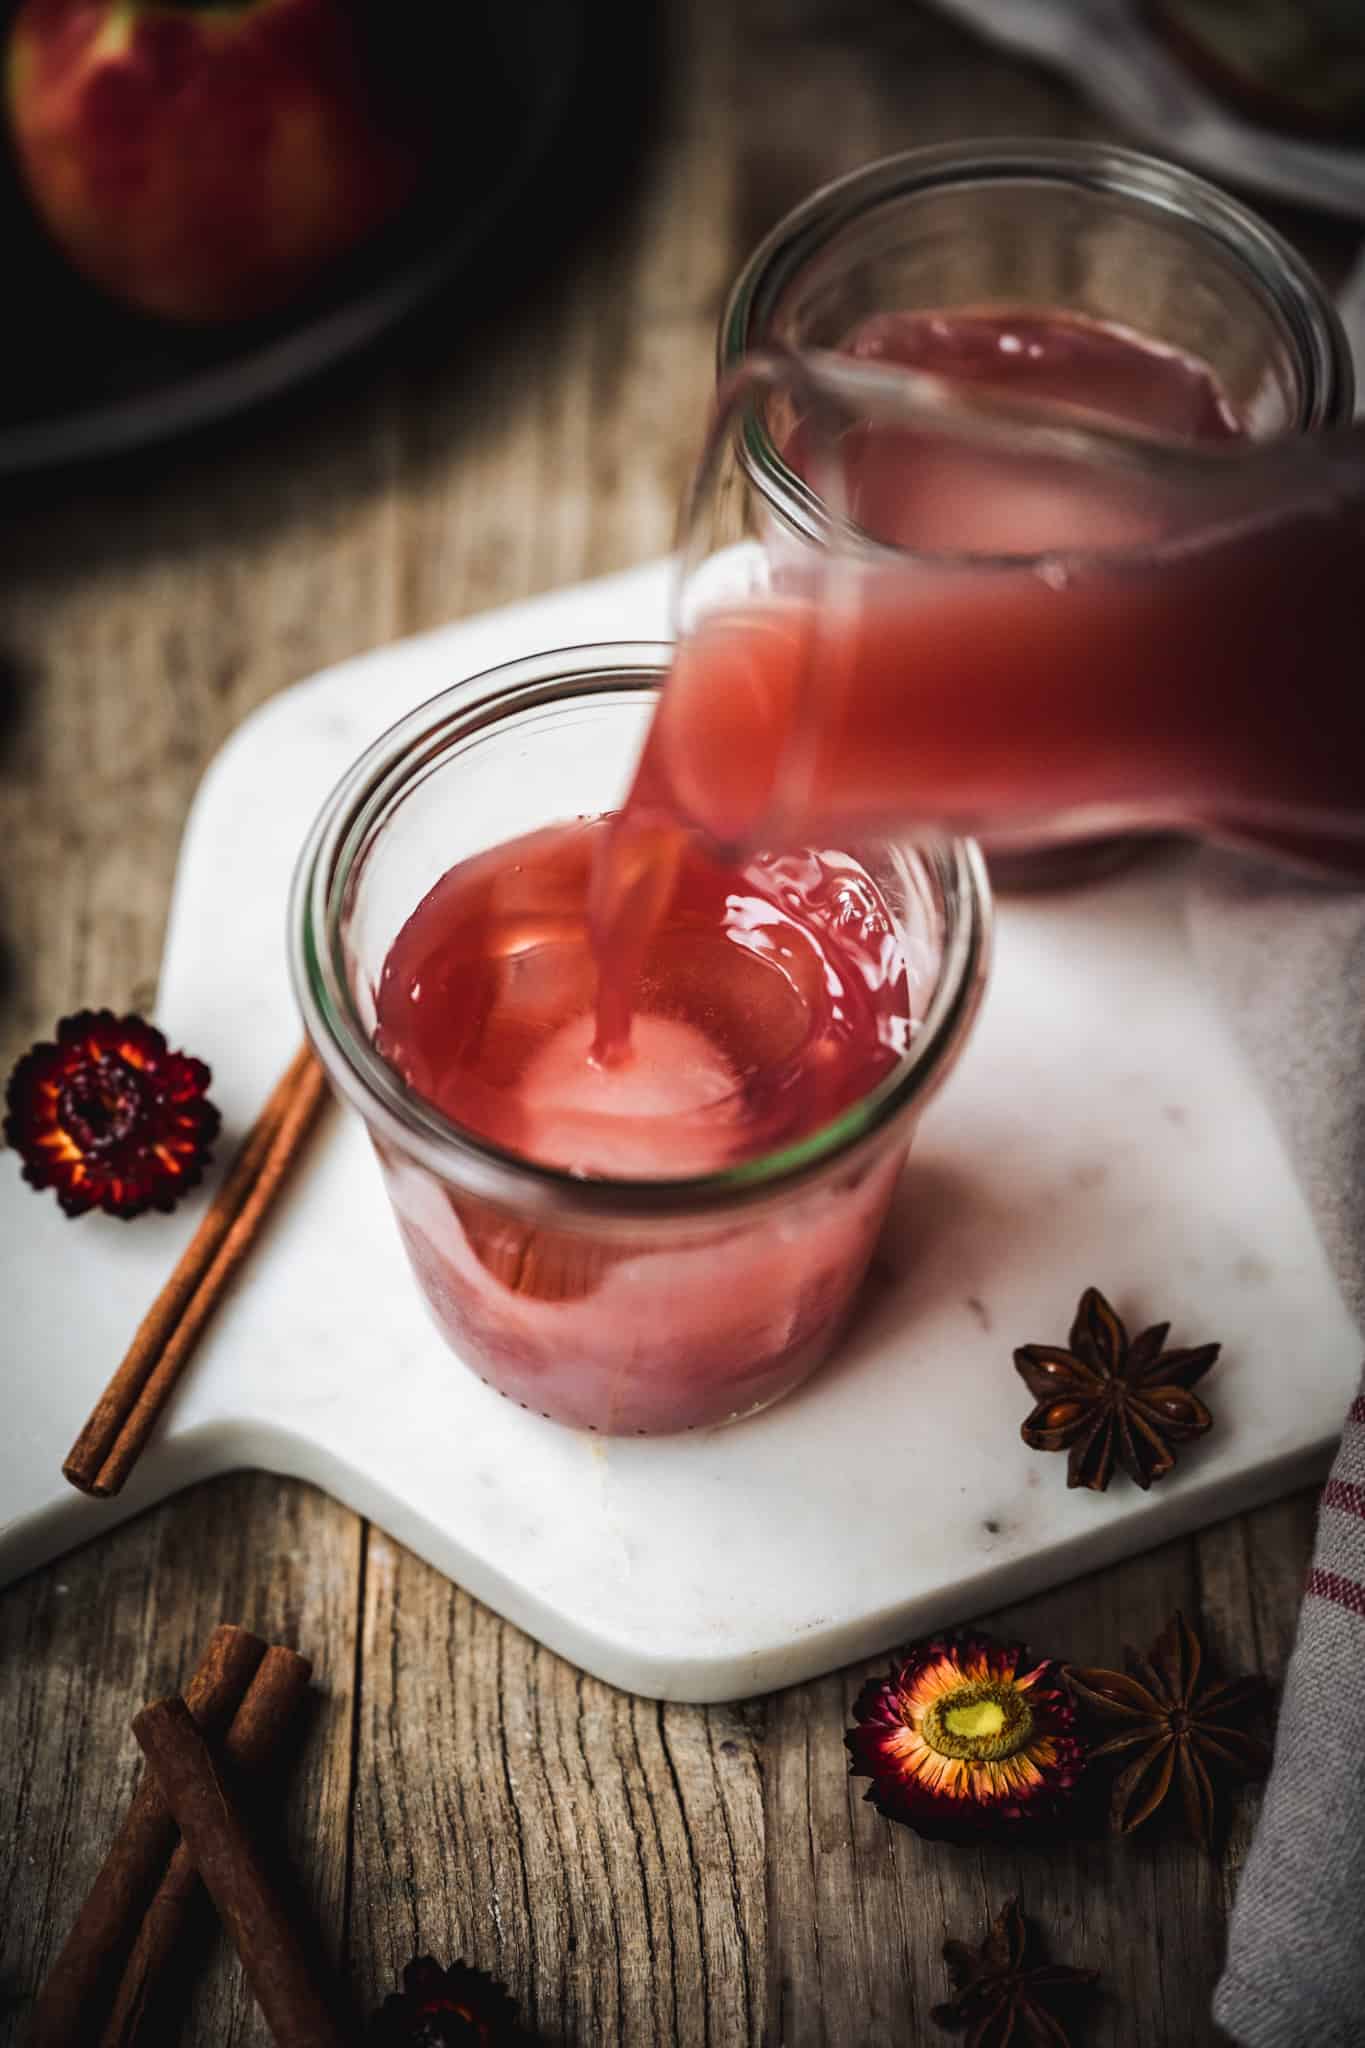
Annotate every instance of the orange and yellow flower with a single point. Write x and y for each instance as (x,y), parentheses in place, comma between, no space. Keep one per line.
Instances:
(966,1738)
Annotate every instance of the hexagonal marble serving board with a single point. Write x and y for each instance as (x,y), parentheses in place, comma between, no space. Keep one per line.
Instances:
(1101,1127)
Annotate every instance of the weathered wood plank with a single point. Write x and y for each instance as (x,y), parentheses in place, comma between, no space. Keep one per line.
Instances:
(601,1854)
(142,617)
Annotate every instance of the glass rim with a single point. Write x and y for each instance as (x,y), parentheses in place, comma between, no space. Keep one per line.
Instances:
(1322,351)
(317,900)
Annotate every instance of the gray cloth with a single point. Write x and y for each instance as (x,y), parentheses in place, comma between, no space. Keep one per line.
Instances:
(1289,959)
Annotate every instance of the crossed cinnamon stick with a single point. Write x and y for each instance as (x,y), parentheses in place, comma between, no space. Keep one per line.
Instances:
(184,1829)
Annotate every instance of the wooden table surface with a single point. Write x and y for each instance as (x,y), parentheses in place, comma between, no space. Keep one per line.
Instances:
(637,1873)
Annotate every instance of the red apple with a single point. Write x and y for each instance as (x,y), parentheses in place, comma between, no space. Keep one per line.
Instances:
(202,164)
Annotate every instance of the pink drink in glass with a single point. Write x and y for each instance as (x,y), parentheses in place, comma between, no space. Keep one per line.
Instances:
(767,998)
(638,1185)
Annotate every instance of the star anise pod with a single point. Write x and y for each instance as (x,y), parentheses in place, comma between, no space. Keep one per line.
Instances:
(1109,1398)
(999,1996)
(1174,1722)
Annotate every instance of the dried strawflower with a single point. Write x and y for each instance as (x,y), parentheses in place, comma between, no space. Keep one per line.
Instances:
(1107,1398)
(1173,1723)
(966,1738)
(1000,1997)
(455,2008)
(109,1118)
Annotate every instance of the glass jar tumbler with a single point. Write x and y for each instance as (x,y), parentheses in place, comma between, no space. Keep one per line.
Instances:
(1074,228)
(625,1306)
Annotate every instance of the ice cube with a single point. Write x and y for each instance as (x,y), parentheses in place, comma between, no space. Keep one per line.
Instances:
(669,1110)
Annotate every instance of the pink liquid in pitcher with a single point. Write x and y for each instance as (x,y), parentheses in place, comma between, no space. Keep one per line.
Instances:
(935,497)
(754,1003)
(1062,650)
(1212,686)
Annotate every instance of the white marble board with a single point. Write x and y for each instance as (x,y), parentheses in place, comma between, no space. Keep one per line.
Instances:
(1102,1127)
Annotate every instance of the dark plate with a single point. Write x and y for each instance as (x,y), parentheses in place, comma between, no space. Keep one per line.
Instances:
(84,377)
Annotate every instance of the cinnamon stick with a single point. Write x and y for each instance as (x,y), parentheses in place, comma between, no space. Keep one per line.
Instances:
(122,1419)
(234,1875)
(252,1744)
(80,1981)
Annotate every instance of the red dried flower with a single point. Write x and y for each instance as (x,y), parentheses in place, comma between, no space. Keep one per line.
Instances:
(966,1738)
(455,2008)
(109,1118)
